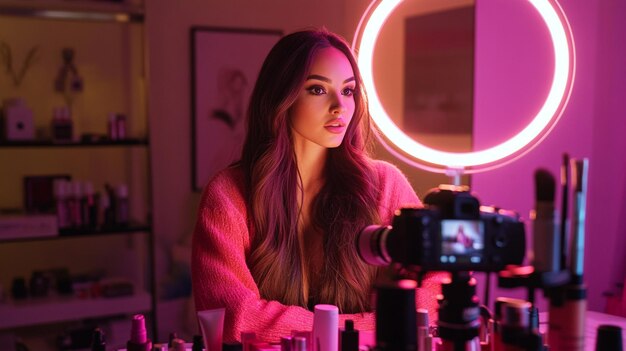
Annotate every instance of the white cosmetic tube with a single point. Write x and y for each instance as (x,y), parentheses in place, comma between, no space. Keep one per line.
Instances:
(212,327)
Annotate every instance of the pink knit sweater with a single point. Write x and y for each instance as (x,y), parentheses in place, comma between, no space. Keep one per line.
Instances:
(221,245)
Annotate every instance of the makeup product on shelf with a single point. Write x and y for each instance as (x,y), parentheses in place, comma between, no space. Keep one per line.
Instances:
(62,125)
(556,295)
(89,206)
(325,328)
(349,337)
(19,289)
(121,205)
(138,335)
(299,344)
(580,170)
(546,239)
(609,337)
(172,336)
(120,123)
(572,336)
(285,343)
(76,215)
(565,180)
(98,341)
(39,284)
(178,344)
(514,324)
(306,334)
(61,195)
(198,344)
(112,126)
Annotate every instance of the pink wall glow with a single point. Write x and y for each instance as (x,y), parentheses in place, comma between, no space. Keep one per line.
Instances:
(592,126)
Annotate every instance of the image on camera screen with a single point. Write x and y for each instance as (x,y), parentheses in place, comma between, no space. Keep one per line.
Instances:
(461,237)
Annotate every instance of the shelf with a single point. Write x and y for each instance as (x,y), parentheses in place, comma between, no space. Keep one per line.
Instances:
(85,233)
(59,309)
(104,11)
(70,144)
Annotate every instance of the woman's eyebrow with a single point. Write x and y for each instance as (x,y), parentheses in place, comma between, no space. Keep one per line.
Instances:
(327,80)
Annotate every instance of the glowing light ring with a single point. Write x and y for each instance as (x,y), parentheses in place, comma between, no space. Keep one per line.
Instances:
(536,130)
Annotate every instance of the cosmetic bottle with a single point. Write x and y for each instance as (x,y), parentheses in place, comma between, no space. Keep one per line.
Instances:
(97,341)
(89,207)
(609,337)
(110,209)
(198,344)
(112,126)
(74,205)
(325,327)
(285,343)
(178,345)
(349,337)
(171,338)
(299,344)
(62,126)
(121,205)
(120,123)
(61,198)
(514,324)
(104,211)
(138,336)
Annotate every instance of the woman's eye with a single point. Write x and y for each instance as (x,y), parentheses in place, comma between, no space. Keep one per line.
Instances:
(316,90)
(348,91)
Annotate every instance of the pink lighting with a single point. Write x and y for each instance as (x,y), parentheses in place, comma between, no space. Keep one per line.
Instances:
(470,162)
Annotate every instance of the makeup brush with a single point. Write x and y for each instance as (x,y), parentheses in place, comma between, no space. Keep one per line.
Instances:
(579,169)
(546,241)
(565,179)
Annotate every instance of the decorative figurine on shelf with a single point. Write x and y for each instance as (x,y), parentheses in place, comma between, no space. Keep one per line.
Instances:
(68,80)
(69,83)
(17,118)
(17,76)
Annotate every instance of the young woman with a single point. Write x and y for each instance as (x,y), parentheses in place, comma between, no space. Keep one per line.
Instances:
(276,232)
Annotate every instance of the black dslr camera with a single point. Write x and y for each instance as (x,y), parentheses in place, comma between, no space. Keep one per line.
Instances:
(451,233)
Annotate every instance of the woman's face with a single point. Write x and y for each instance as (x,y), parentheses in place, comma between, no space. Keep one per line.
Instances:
(324,107)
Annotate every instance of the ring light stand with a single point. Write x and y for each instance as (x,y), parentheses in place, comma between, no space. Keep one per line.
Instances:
(459,331)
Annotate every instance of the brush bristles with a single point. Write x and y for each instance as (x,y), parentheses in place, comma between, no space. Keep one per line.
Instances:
(545,186)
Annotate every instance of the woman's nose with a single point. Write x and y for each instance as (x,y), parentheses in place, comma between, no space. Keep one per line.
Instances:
(338,106)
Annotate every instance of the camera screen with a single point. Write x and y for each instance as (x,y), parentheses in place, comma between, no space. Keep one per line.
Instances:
(462,240)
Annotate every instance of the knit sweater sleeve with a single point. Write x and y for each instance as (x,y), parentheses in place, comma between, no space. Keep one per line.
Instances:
(221,277)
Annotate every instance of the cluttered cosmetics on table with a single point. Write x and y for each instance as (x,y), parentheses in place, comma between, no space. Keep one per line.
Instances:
(453,232)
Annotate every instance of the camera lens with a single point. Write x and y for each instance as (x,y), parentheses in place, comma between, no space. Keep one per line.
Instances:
(371,245)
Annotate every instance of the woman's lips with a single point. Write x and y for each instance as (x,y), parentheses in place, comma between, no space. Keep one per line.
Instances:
(336,126)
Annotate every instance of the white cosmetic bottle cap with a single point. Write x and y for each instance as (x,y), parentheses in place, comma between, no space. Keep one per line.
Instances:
(326,328)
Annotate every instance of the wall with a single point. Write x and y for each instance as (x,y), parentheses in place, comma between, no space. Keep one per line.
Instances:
(591,127)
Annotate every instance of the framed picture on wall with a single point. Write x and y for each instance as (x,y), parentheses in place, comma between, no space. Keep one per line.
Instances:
(225,63)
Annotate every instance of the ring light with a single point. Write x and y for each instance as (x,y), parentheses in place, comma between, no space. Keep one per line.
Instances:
(471,162)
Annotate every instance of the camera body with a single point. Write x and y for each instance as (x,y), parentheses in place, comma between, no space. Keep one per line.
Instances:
(452,232)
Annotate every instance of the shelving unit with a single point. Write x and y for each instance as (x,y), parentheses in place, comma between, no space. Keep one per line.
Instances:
(58,309)
(128,251)
(51,143)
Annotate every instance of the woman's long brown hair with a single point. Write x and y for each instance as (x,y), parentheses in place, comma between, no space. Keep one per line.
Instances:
(345,204)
